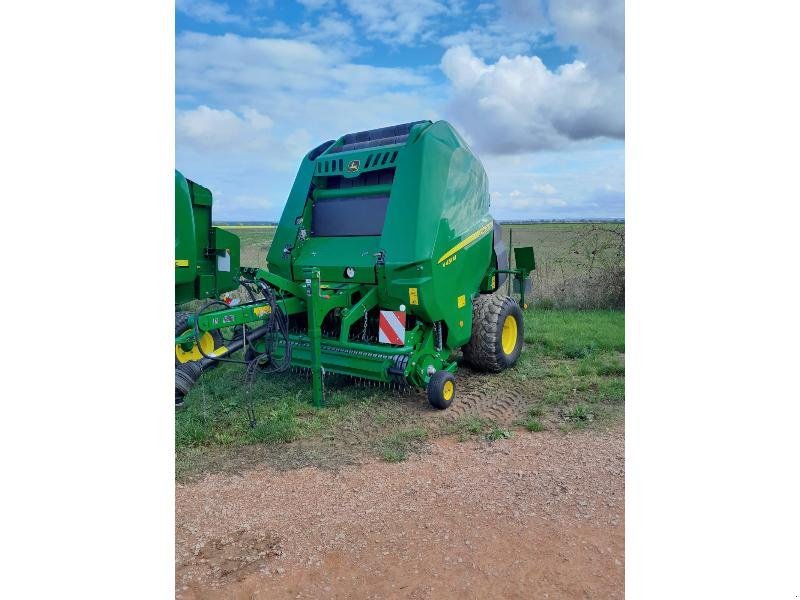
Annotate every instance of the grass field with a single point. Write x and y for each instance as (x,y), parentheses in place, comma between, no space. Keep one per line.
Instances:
(579,265)
(569,376)
(255,244)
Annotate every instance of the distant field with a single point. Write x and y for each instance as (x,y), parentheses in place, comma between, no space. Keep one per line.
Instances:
(579,265)
(255,243)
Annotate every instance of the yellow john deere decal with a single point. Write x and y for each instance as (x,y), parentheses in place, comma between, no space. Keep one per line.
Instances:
(413,298)
(462,301)
(466,241)
(262,310)
(181,262)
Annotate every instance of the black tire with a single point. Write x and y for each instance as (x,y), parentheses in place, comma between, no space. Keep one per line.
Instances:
(185,376)
(441,390)
(490,315)
(182,325)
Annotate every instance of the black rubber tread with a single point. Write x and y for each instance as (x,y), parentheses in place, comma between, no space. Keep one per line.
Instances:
(436,388)
(484,351)
(182,324)
(185,376)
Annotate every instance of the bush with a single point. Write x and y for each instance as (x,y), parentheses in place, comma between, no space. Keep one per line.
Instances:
(591,274)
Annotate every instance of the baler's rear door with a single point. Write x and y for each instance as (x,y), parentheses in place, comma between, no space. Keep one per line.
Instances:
(347,220)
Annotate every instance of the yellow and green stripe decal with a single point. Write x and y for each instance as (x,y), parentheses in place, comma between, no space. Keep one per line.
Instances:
(483,230)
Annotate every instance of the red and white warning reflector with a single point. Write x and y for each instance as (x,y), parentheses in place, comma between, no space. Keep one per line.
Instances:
(392,327)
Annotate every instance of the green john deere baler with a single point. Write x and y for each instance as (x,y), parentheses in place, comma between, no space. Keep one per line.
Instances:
(385,262)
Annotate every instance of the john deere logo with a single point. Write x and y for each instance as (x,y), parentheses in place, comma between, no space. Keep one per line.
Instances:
(353,165)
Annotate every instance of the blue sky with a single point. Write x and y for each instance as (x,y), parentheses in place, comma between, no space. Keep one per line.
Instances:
(536,88)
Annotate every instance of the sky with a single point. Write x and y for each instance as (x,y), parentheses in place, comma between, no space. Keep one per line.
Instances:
(535,88)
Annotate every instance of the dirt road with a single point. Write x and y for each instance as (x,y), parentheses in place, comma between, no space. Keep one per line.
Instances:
(540,515)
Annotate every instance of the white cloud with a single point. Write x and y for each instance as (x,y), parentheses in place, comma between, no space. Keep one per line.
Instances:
(207,11)
(246,136)
(207,129)
(230,64)
(596,28)
(508,101)
(523,14)
(516,203)
(492,41)
(333,32)
(518,104)
(400,22)
(544,188)
(588,181)
(299,82)
(328,28)
(252,107)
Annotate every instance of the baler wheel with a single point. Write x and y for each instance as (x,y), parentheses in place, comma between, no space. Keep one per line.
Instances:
(441,389)
(497,333)
(185,376)
(209,341)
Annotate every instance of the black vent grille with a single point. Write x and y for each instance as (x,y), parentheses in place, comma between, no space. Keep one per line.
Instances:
(379,177)
(381,158)
(330,166)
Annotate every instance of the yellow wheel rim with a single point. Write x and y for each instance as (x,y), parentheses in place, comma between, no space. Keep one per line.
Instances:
(447,390)
(509,335)
(206,343)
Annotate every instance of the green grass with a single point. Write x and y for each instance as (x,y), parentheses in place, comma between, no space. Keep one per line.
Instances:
(611,390)
(468,424)
(577,365)
(215,411)
(575,334)
(532,421)
(572,369)
(533,425)
(580,413)
(396,447)
(498,433)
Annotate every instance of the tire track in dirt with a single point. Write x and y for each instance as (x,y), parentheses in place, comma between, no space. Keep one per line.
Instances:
(485,396)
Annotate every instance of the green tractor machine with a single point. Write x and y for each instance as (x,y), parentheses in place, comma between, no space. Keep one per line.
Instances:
(385,262)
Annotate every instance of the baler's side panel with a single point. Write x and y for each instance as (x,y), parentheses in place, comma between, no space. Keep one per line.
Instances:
(185,242)
(462,250)
(199,271)
(286,232)
(434,209)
